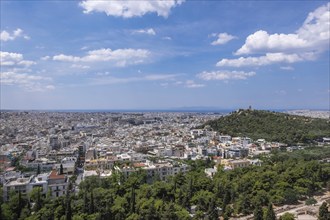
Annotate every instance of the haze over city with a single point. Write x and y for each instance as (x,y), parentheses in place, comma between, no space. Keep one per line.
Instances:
(164,54)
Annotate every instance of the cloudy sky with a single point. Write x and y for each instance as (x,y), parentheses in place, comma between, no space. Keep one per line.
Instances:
(164,54)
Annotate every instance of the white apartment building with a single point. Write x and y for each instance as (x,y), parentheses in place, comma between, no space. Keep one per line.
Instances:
(161,169)
(25,185)
(46,181)
(57,184)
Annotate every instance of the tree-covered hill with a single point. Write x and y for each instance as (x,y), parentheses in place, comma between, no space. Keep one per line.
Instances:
(272,126)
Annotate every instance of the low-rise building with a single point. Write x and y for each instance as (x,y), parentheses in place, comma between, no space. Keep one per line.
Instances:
(235,163)
(160,169)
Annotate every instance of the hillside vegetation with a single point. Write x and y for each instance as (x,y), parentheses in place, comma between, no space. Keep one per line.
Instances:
(272,126)
(283,179)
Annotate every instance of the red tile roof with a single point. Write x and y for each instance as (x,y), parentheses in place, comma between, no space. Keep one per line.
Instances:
(55,175)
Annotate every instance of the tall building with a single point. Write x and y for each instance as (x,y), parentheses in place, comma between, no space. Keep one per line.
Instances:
(53,142)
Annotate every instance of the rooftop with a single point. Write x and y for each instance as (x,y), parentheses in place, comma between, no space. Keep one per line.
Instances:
(54,175)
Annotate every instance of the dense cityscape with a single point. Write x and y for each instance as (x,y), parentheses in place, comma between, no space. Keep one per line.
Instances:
(50,150)
(164,110)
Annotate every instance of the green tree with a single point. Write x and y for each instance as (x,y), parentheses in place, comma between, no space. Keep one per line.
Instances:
(183,214)
(200,215)
(86,206)
(310,201)
(24,213)
(324,212)
(212,212)
(61,169)
(119,208)
(35,196)
(68,209)
(133,216)
(258,214)
(132,208)
(270,214)
(290,196)
(227,212)
(38,169)
(287,216)
(169,212)
(1,196)
(91,203)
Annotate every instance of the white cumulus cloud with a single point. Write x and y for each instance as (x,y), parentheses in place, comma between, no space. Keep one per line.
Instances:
(130,8)
(269,58)
(149,31)
(225,75)
(6,36)
(27,81)
(45,58)
(313,35)
(305,44)
(14,59)
(120,57)
(223,38)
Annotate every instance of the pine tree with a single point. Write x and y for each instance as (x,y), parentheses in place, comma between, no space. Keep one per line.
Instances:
(85,203)
(91,204)
(226,199)
(324,212)
(132,199)
(169,212)
(38,203)
(227,212)
(38,169)
(61,169)
(270,214)
(20,204)
(68,210)
(151,213)
(212,212)
(257,214)
(1,208)
(190,188)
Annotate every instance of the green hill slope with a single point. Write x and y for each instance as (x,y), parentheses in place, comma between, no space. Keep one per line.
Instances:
(272,126)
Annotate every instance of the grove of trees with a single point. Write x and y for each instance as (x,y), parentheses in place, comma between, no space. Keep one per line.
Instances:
(272,126)
(243,191)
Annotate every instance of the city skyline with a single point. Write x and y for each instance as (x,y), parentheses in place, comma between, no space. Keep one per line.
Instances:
(164,54)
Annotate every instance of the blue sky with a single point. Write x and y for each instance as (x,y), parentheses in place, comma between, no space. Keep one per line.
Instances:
(164,54)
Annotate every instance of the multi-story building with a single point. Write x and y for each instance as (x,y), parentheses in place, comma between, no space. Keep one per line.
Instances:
(57,183)
(44,164)
(46,181)
(53,142)
(161,169)
(100,163)
(25,185)
(59,155)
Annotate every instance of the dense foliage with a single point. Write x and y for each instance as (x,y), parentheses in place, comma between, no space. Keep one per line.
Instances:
(238,192)
(272,126)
